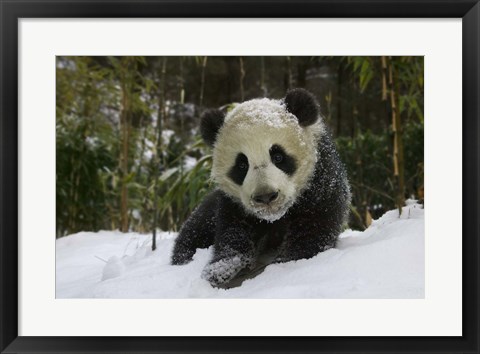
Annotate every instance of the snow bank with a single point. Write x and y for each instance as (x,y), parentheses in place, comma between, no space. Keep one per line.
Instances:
(384,261)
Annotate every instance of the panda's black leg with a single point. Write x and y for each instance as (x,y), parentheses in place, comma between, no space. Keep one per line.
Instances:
(233,253)
(198,231)
(308,238)
(234,248)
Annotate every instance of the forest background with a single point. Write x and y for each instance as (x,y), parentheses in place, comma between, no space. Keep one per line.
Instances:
(129,155)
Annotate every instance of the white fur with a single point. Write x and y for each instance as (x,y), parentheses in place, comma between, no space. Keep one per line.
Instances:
(252,128)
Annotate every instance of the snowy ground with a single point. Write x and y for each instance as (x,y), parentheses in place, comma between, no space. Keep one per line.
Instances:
(384,261)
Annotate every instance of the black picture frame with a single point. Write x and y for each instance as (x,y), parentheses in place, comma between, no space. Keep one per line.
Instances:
(12,11)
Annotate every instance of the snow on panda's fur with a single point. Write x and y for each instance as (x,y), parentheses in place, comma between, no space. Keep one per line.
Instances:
(282,188)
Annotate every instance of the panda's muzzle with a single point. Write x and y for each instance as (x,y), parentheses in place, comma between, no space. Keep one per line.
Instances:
(265,198)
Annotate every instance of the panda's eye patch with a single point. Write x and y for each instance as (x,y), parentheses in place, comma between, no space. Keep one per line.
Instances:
(239,170)
(282,160)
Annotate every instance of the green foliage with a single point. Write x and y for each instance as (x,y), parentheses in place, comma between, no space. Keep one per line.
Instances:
(413,136)
(83,147)
(411,79)
(410,75)
(182,191)
(365,67)
(82,196)
(368,158)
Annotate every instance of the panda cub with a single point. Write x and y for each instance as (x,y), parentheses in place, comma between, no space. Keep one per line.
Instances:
(281,188)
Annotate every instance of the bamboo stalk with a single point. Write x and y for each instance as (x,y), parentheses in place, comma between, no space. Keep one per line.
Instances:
(384,78)
(242,76)
(124,153)
(202,83)
(157,152)
(262,76)
(289,77)
(398,158)
(182,82)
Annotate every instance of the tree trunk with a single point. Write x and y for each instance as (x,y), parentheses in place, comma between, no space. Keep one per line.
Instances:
(158,150)
(302,67)
(340,80)
(242,76)
(124,155)
(288,74)
(182,83)
(354,126)
(202,82)
(385,94)
(398,159)
(263,88)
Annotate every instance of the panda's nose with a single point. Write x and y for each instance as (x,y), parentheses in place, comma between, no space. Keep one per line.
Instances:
(265,198)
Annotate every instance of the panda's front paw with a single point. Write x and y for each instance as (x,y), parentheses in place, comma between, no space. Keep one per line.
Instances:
(219,273)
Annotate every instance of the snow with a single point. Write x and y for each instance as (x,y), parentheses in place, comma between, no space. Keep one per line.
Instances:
(269,112)
(384,261)
(92,142)
(189,162)
(167,135)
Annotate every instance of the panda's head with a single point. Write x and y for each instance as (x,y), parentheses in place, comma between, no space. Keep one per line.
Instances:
(265,151)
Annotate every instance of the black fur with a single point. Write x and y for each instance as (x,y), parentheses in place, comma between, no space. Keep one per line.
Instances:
(310,226)
(210,123)
(238,171)
(197,231)
(287,163)
(303,105)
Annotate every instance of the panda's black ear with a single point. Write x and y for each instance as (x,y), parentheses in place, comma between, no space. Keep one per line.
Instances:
(210,123)
(303,105)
